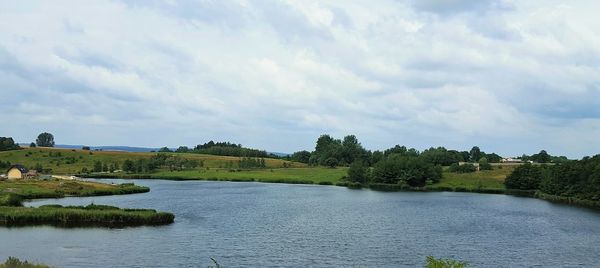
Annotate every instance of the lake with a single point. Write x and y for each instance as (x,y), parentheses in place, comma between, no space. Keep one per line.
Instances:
(279,225)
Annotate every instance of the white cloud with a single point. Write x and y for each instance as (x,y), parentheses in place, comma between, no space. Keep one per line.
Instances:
(512,76)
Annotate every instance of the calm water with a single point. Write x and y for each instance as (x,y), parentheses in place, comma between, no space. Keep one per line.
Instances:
(277,225)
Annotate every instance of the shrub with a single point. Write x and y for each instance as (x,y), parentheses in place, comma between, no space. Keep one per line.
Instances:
(444,263)
(524,177)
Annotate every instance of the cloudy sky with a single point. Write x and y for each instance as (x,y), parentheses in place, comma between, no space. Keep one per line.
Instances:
(510,76)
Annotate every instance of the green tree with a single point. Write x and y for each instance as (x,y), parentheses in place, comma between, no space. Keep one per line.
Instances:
(475,154)
(301,156)
(483,164)
(32,145)
(541,157)
(97,166)
(85,148)
(128,166)
(164,150)
(358,172)
(524,177)
(45,140)
(331,162)
(7,143)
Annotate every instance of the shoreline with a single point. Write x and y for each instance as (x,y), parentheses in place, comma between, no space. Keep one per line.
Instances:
(381,187)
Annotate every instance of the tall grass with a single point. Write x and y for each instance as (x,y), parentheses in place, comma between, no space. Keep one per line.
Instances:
(82,216)
(13,262)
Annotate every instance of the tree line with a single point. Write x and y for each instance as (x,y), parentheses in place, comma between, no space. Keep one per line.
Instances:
(575,178)
(221,148)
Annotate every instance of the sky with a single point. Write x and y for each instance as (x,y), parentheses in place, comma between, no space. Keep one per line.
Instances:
(512,77)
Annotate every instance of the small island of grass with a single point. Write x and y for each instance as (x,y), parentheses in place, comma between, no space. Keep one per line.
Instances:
(12,213)
(82,216)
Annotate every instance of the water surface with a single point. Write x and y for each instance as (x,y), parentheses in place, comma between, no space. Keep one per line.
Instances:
(278,225)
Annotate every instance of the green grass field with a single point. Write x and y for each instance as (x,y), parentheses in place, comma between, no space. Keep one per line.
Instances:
(30,189)
(486,179)
(72,161)
(306,175)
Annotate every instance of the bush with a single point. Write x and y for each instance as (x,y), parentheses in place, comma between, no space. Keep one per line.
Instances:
(464,168)
(398,169)
(358,172)
(444,263)
(524,177)
(13,262)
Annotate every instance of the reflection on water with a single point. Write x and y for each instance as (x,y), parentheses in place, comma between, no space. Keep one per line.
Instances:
(275,225)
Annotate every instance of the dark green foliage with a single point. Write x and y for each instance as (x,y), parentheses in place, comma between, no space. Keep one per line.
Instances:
(401,150)
(331,162)
(164,150)
(358,172)
(13,262)
(32,145)
(525,177)
(301,156)
(484,164)
(128,166)
(45,140)
(92,215)
(85,148)
(464,168)
(441,156)
(344,151)
(7,144)
(475,154)
(579,179)
(541,157)
(182,149)
(228,149)
(444,263)
(98,166)
(397,169)
(10,200)
(249,162)
(493,158)
(4,165)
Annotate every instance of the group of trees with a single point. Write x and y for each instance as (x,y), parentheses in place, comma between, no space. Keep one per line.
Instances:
(7,144)
(331,152)
(543,157)
(220,148)
(249,162)
(43,140)
(578,178)
(160,160)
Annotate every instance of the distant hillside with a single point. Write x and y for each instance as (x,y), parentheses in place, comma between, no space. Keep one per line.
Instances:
(105,148)
(68,161)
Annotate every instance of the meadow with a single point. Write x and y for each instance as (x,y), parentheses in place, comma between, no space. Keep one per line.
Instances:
(224,168)
(71,161)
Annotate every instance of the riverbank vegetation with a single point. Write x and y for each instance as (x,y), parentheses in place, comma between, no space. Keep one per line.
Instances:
(82,216)
(57,188)
(572,182)
(13,262)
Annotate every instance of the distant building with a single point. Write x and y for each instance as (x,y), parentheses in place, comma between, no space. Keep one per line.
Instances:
(511,160)
(19,172)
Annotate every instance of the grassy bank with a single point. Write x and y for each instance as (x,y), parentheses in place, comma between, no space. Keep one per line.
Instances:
(568,200)
(13,262)
(316,175)
(31,189)
(79,216)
